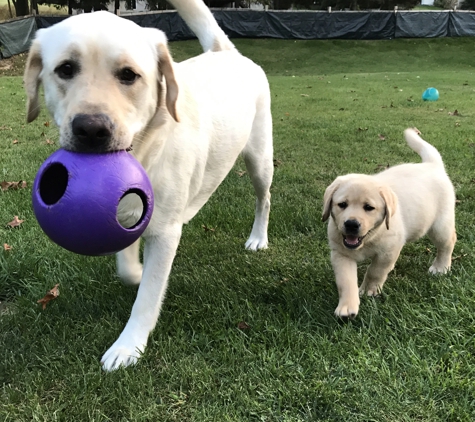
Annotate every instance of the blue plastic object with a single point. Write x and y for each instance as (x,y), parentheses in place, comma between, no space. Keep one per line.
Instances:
(430,94)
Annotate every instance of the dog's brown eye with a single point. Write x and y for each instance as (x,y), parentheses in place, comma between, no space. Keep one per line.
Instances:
(127,76)
(368,207)
(342,205)
(67,70)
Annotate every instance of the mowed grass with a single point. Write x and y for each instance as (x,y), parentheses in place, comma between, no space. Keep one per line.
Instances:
(338,107)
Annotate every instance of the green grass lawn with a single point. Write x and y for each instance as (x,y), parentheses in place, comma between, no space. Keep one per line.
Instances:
(408,356)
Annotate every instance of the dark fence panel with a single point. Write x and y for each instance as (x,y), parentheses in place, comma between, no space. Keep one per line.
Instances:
(422,24)
(281,24)
(46,21)
(16,36)
(461,25)
(169,22)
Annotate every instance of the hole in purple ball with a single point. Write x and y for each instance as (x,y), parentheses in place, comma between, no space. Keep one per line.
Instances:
(132,208)
(53,183)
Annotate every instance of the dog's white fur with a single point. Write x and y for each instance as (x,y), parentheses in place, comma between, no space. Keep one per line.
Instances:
(372,217)
(188,122)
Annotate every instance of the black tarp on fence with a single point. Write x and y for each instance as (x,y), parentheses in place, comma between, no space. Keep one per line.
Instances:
(305,25)
(16,36)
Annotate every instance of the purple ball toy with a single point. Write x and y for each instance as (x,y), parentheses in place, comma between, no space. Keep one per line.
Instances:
(76,196)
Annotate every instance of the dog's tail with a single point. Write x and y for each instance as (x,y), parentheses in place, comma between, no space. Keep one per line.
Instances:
(202,22)
(427,152)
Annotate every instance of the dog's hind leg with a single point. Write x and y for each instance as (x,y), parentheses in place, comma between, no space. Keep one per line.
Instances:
(258,156)
(443,236)
(129,267)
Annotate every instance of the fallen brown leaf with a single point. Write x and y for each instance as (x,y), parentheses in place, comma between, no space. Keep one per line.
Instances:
(382,137)
(49,142)
(207,229)
(52,294)
(7,247)
(15,142)
(243,326)
(240,173)
(277,163)
(46,124)
(12,185)
(15,222)
(455,113)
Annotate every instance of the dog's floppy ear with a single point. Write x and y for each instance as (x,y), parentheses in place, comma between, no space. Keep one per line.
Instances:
(327,199)
(165,65)
(31,79)
(390,200)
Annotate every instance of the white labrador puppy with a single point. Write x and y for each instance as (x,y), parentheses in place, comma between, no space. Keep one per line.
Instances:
(374,216)
(110,83)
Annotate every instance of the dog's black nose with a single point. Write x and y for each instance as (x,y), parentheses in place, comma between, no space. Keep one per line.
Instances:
(92,130)
(352,226)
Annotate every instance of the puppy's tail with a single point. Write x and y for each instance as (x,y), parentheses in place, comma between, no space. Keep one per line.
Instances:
(427,152)
(202,22)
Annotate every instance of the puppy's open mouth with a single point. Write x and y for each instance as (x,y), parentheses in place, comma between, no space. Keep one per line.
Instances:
(352,242)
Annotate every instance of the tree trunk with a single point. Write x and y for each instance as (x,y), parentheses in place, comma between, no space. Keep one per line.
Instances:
(10,9)
(21,7)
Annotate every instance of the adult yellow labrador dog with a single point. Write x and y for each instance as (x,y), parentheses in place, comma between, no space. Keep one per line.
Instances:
(372,217)
(110,84)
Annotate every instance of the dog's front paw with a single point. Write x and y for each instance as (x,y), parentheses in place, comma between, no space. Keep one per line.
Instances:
(122,353)
(255,243)
(436,269)
(347,308)
(372,291)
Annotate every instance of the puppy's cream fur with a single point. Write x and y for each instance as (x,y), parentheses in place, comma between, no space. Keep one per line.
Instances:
(187,122)
(374,216)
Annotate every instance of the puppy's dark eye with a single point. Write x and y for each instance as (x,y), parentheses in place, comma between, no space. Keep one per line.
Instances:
(368,207)
(342,205)
(127,76)
(67,70)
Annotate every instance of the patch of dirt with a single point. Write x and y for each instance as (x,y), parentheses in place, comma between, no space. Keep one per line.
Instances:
(13,66)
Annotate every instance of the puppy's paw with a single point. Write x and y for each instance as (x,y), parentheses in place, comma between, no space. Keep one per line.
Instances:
(347,309)
(255,243)
(121,353)
(438,269)
(372,291)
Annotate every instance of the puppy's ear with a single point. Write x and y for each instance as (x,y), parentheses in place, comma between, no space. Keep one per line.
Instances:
(31,79)
(390,200)
(165,66)
(327,199)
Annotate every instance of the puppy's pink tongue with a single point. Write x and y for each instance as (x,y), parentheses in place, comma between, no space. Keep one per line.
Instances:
(351,240)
